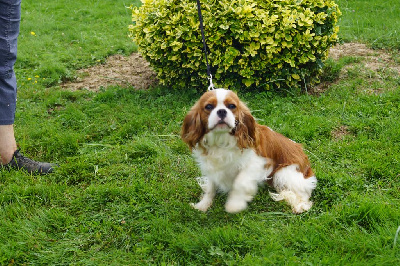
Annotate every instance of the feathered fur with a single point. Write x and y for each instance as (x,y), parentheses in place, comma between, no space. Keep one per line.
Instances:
(235,154)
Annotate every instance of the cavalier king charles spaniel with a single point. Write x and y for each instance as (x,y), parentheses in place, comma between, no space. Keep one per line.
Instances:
(236,154)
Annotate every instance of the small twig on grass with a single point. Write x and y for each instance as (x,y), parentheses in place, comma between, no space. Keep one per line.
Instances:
(98,144)
(169,135)
(396,236)
(312,154)
(344,106)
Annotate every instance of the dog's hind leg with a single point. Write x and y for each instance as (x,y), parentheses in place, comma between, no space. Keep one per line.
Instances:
(293,188)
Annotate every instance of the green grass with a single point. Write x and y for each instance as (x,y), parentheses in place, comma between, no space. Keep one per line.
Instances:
(121,195)
(374,22)
(62,36)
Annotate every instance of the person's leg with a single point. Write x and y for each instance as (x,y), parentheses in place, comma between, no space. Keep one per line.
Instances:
(10,157)
(10,16)
(7,143)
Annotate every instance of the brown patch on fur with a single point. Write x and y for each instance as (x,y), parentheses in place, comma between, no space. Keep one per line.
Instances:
(281,150)
(193,129)
(245,131)
(195,123)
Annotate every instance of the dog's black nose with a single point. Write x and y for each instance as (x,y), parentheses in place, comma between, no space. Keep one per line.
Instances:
(221,113)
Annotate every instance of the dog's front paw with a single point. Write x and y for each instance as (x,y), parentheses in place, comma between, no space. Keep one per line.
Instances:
(235,205)
(200,206)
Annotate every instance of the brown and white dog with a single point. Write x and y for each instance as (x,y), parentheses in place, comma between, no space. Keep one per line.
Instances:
(235,154)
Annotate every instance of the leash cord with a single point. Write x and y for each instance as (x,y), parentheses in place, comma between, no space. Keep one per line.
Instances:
(204,45)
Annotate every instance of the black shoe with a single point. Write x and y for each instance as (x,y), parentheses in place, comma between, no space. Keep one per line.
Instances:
(19,161)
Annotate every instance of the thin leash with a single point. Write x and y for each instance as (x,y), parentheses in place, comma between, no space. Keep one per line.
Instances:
(211,87)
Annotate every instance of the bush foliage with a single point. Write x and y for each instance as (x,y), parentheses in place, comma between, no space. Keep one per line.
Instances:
(257,43)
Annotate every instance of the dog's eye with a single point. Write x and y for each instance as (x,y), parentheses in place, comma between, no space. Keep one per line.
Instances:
(231,106)
(209,107)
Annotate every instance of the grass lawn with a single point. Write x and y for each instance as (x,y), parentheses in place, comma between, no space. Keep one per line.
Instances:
(121,194)
(373,22)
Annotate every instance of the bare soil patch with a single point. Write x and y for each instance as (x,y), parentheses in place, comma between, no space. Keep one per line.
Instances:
(135,71)
(118,70)
(340,132)
(372,63)
(372,59)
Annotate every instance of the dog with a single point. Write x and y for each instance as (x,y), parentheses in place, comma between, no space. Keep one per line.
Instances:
(236,154)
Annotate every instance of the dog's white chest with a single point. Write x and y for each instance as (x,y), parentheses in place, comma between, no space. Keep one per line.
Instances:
(221,154)
(221,164)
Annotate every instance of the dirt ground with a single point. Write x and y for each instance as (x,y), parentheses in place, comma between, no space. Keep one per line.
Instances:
(373,59)
(119,70)
(135,71)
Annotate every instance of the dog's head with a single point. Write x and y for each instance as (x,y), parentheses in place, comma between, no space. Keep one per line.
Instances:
(219,111)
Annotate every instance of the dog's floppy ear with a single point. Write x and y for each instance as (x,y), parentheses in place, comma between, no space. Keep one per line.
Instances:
(192,129)
(245,130)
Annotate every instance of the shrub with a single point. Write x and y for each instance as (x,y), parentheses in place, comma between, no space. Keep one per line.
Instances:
(257,43)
